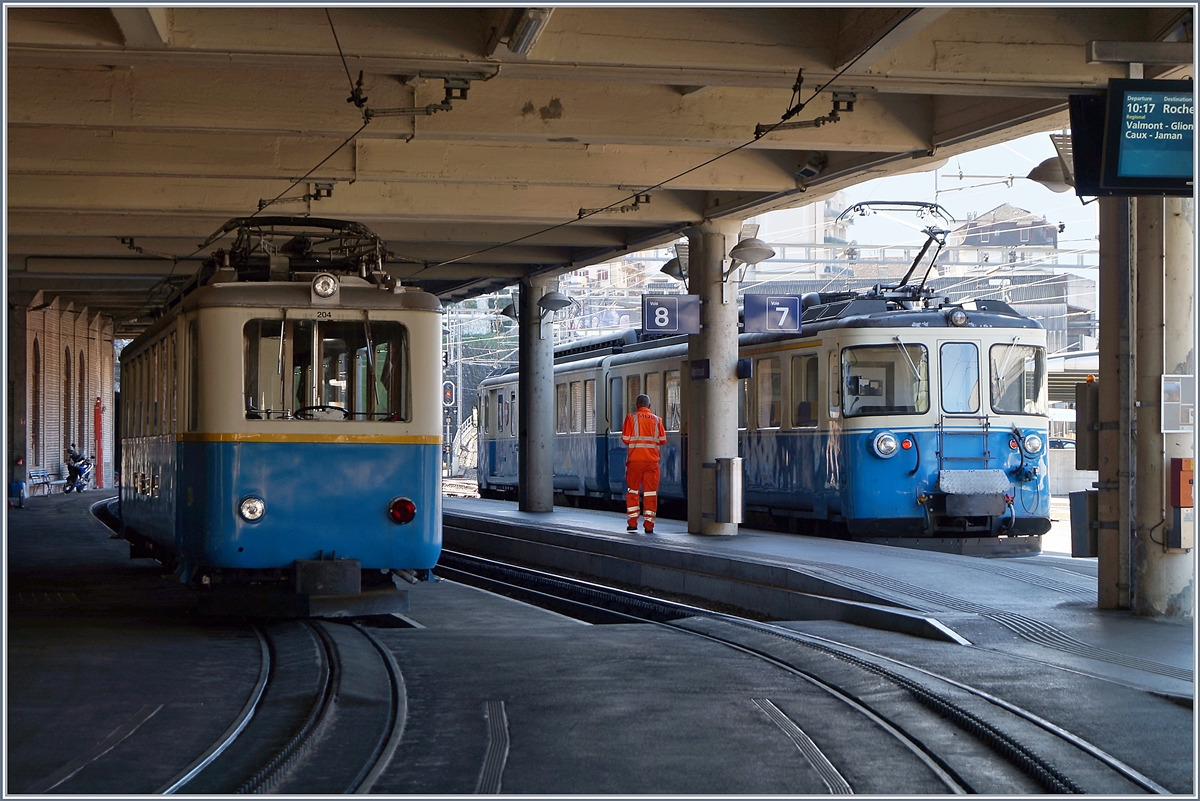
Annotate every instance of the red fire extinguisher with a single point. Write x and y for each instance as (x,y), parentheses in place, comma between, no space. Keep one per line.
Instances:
(98,443)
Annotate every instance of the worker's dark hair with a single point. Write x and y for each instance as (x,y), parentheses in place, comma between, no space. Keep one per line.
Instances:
(643,401)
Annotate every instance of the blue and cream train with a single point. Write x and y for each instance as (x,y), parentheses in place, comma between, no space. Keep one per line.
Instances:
(893,417)
(285,412)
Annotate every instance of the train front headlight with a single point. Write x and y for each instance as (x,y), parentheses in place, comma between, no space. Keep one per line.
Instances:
(885,444)
(957,318)
(252,509)
(324,285)
(1032,443)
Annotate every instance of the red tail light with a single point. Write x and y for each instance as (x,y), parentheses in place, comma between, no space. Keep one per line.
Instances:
(402,510)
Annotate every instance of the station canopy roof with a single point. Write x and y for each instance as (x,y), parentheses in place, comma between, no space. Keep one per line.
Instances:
(488,144)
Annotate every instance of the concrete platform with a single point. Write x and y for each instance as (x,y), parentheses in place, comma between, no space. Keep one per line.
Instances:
(115,681)
(1040,607)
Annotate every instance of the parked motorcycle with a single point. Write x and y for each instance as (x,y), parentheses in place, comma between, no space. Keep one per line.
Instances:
(79,471)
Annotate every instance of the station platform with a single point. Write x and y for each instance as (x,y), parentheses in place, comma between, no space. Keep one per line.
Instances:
(1041,607)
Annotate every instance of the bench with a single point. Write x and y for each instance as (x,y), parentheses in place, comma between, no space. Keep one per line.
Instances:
(41,477)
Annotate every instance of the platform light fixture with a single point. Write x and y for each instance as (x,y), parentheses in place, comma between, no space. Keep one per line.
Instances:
(553,301)
(510,311)
(529,27)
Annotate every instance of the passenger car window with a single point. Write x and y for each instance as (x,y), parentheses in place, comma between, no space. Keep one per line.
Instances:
(770,392)
(589,405)
(959,365)
(885,379)
(804,391)
(671,413)
(576,407)
(617,419)
(654,391)
(561,409)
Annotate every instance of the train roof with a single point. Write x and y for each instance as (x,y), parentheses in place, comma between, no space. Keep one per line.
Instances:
(354,293)
(839,312)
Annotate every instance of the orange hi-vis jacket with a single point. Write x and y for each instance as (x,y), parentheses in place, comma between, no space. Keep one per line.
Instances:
(643,432)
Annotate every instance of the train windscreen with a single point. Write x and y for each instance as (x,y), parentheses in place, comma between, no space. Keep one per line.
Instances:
(885,379)
(327,369)
(1019,379)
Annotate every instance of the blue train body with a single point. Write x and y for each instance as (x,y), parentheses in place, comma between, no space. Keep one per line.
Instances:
(960,405)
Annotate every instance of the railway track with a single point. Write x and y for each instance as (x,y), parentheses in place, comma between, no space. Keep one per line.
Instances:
(325,716)
(962,739)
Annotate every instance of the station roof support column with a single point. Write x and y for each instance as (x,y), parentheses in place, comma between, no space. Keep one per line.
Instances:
(535,401)
(1163,580)
(713,353)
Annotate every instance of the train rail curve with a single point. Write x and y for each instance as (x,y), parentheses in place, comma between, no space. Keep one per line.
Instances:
(325,716)
(1009,749)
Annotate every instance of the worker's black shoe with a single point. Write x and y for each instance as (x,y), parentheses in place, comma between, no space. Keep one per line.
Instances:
(631,527)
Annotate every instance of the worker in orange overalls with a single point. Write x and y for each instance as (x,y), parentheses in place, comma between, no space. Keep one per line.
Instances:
(643,432)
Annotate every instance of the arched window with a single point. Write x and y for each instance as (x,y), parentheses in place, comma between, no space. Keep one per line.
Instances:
(66,400)
(82,406)
(35,429)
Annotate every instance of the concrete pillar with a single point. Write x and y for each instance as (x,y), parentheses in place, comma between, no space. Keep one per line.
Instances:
(1116,474)
(535,401)
(712,402)
(1162,579)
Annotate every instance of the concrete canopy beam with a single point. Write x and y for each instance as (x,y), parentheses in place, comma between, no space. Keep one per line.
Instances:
(143,27)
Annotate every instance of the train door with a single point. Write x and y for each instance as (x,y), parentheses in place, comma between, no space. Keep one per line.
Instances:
(963,422)
(614,448)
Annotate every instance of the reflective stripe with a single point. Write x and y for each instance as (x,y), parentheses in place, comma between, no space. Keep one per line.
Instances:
(633,510)
(650,516)
(651,494)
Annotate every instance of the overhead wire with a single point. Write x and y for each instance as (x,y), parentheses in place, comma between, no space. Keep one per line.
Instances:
(787,115)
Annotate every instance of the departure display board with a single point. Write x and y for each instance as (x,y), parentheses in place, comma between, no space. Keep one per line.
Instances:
(1149,137)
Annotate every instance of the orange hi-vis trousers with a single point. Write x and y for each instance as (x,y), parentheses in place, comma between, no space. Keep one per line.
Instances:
(642,476)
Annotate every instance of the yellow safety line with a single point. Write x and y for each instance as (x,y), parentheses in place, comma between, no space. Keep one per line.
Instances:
(345,439)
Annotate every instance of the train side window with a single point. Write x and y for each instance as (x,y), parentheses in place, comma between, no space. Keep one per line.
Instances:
(502,409)
(193,356)
(770,392)
(616,403)
(589,405)
(672,418)
(633,386)
(562,410)
(173,367)
(576,411)
(742,389)
(654,391)
(514,420)
(804,391)
(959,365)
(835,385)
(885,379)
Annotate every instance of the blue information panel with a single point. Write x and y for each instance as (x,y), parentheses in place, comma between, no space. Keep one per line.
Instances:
(671,314)
(771,314)
(1157,129)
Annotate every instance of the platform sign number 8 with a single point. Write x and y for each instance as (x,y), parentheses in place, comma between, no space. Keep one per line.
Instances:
(671,314)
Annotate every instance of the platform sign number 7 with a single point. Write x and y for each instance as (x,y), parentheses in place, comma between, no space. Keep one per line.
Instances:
(772,314)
